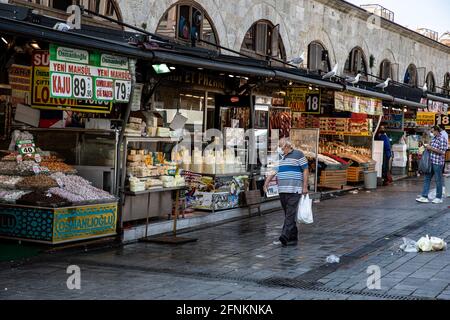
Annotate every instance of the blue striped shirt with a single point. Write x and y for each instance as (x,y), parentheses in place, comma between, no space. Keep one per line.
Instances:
(290,172)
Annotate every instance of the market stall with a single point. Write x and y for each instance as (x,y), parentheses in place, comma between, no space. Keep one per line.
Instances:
(42,199)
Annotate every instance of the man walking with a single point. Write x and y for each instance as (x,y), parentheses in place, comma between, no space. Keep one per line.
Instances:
(292,173)
(437,149)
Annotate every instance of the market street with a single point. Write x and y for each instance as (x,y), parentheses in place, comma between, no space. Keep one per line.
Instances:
(238,260)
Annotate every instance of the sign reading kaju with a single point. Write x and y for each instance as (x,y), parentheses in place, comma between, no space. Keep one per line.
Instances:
(81,74)
(41,98)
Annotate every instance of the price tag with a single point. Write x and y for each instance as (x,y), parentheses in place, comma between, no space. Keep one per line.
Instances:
(26,147)
(60,183)
(36,169)
(122,90)
(82,87)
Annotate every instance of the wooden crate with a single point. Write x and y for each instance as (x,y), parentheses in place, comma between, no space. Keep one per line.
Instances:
(333,179)
(355,174)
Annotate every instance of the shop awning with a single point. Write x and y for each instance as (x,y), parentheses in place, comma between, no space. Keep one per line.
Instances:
(196,62)
(438,98)
(369,93)
(307,80)
(408,103)
(42,33)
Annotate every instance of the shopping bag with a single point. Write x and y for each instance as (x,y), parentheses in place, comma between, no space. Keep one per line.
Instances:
(425,163)
(304,211)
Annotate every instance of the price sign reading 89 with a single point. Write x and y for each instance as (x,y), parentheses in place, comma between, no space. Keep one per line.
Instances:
(82,87)
(122,90)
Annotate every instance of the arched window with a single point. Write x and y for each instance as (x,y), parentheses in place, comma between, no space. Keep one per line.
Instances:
(356,62)
(187,22)
(446,85)
(411,75)
(386,70)
(105,7)
(431,83)
(262,40)
(318,59)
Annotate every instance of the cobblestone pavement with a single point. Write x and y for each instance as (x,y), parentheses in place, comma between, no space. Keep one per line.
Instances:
(238,260)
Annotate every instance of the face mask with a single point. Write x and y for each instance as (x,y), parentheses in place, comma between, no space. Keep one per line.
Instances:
(432,134)
(280,151)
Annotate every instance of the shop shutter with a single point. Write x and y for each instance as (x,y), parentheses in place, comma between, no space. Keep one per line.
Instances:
(261,38)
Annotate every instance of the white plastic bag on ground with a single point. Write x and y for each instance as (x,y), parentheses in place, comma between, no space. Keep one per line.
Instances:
(304,211)
(333,259)
(409,246)
(438,244)
(424,244)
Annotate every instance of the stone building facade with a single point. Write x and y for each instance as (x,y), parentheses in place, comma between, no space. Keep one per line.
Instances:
(336,24)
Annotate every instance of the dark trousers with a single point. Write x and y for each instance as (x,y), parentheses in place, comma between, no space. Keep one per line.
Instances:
(385,168)
(289,202)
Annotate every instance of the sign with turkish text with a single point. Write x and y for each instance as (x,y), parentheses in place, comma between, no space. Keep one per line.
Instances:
(85,75)
(393,121)
(20,81)
(303,99)
(41,93)
(356,104)
(426,119)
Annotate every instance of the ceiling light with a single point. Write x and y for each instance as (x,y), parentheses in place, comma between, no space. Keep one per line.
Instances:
(35,46)
(200,69)
(291,83)
(161,68)
(4,40)
(405,110)
(172,68)
(246,78)
(231,76)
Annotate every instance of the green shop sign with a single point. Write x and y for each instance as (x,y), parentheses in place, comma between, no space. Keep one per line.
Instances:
(90,75)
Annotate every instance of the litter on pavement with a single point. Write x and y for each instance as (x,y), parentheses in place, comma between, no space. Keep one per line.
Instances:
(333,259)
(425,244)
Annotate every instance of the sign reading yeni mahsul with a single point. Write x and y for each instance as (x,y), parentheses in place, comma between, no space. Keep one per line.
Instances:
(82,74)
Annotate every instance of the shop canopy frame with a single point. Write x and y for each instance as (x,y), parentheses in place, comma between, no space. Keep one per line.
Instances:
(20,21)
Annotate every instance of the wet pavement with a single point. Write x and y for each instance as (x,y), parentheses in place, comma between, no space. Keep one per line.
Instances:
(238,260)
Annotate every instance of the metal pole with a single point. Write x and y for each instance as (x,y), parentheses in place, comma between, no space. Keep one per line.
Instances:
(177,197)
(120,161)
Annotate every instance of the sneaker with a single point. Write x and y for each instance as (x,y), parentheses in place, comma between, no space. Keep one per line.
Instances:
(292,243)
(283,241)
(422,200)
(438,201)
(276,243)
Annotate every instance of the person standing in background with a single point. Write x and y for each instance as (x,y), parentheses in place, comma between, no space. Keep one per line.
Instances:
(437,149)
(387,153)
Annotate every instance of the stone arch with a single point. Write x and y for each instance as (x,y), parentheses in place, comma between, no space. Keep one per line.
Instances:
(358,42)
(263,11)
(322,37)
(151,13)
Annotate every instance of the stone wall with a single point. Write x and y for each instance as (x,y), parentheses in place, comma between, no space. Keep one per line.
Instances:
(338,25)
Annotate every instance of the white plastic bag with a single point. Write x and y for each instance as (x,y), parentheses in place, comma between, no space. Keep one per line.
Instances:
(424,244)
(409,246)
(438,244)
(333,259)
(304,211)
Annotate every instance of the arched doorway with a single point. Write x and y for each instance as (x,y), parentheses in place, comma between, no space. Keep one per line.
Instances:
(107,8)
(187,21)
(356,63)
(411,76)
(263,40)
(318,59)
(446,85)
(386,70)
(431,82)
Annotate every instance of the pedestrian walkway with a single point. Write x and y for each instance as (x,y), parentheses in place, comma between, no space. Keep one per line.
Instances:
(238,260)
